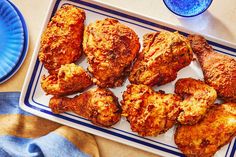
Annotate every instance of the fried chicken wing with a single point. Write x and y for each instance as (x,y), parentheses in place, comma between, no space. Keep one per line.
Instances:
(197,97)
(219,70)
(149,113)
(98,105)
(163,55)
(206,137)
(61,43)
(110,48)
(70,79)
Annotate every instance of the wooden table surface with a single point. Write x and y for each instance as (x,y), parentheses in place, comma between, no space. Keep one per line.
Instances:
(219,21)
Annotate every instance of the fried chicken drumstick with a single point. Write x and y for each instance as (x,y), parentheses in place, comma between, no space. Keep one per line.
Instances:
(219,70)
(110,48)
(61,43)
(197,97)
(98,105)
(69,79)
(206,137)
(163,55)
(149,113)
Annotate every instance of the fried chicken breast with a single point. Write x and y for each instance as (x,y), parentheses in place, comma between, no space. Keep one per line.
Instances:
(98,105)
(61,42)
(110,48)
(163,55)
(197,98)
(219,70)
(206,137)
(149,113)
(70,79)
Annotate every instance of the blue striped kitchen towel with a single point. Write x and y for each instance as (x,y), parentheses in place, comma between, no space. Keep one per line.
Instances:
(25,135)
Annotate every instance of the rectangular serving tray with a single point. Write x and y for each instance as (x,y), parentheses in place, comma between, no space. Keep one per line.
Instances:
(34,100)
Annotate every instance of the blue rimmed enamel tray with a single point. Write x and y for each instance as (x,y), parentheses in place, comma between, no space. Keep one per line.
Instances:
(34,100)
(13,40)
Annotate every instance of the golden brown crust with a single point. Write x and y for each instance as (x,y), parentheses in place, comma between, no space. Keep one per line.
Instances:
(110,48)
(163,55)
(61,42)
(219,70)
(70,79)
(149,113)
(206,137)
(197,97)
(99,105)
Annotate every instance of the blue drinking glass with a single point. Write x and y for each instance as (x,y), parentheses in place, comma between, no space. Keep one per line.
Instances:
(187,8)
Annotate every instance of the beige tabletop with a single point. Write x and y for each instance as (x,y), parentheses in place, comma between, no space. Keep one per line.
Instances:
(219,21)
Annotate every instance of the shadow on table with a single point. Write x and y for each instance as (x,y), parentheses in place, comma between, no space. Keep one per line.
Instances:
(202,23)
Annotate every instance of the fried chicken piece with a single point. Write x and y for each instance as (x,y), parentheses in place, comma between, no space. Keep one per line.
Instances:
(70,79)
(219,70)
(110,48)
(61,43)
(98,105)
(206,137)
(149,113)
(197,97)
(163,55)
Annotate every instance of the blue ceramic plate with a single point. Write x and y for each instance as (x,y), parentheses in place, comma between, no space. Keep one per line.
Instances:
(13,40)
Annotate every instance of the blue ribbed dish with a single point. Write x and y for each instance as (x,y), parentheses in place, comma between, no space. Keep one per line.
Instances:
(187,8)
(12,40)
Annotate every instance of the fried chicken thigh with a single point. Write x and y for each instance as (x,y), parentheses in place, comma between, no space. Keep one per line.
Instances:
(197,97)
(206,137)
(110,48)
(61,43)
(163,55)
(70,79)
(98,105)
(149,113)
(219,70)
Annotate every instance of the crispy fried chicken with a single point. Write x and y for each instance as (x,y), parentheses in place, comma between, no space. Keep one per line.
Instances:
(197,97)
(110,48)
(61,42)
(98,105)
(219,70)
(149,113)
(69,79)
(206,137)
(163,55)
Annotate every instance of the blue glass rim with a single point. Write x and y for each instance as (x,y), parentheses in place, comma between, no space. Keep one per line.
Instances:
(188,15)
(25,46)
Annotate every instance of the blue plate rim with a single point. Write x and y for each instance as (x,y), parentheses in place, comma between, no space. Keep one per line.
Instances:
(5,6)
(25,46)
